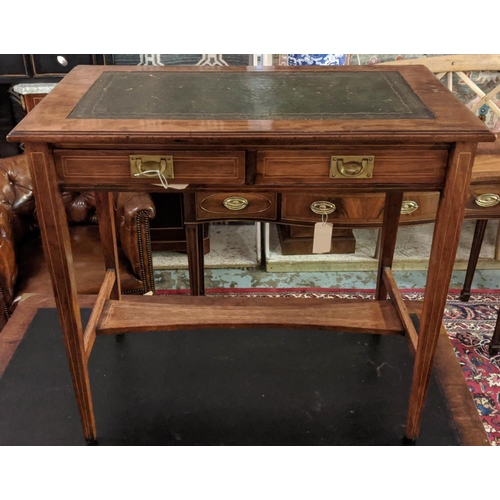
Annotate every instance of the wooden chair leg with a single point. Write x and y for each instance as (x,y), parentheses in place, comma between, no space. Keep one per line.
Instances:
(473,258)
(494,347)
(377,245)
(497,244)
(196,262)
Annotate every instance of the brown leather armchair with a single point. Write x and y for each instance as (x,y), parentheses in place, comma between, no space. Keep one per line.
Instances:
(23,268)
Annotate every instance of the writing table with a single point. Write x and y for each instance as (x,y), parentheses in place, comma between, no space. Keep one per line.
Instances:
(289,145)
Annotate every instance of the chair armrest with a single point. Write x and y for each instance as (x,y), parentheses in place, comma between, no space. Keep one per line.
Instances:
(4,316)
(133,213)
(80,207)
(8,267)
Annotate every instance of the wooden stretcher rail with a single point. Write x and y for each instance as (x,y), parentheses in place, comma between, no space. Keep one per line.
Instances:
(178,313)
(102,297)
(404,315)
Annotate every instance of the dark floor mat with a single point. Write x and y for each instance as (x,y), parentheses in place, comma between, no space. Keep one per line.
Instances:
(219,387)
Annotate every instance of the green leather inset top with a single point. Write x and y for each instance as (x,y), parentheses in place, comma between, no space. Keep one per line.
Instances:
(303,95)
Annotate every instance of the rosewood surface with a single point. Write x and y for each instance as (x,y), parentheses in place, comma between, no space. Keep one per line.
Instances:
(271,160)
(50,122)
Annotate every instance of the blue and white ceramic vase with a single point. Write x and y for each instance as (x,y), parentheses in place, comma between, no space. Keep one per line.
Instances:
(317,59)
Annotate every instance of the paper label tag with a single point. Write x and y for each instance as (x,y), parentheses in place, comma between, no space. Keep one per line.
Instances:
(174,186)
(322,241)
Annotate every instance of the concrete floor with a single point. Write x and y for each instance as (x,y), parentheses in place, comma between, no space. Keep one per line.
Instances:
(225,268)
(256,278)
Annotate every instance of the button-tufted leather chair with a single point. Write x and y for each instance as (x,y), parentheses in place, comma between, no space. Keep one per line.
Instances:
(23,268)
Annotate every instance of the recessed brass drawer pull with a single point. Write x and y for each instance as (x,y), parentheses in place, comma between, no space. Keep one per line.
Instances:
(235,203)
(323,207)
(152,165)
(408,207)
(487,200)
(359,167)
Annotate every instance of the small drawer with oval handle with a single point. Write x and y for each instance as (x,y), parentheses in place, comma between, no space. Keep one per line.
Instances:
(362,209)
(419,207)
(343,210)
(234,206)
(483,201)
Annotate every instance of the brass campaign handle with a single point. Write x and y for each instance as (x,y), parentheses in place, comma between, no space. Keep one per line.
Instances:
(359,167)
(152,166)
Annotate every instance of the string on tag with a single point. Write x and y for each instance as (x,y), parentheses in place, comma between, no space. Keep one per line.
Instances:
(162,178)
(324,219)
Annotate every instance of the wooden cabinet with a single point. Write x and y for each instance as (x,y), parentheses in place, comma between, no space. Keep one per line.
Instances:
(15,68)
(58,65)
(168,233)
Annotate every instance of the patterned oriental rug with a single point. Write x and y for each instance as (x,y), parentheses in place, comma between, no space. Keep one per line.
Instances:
(470,326)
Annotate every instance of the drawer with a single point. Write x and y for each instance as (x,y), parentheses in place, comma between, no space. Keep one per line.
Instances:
(74,168)
(31,100)
(483,201)
(235,205)
(402,165)
(359,209)
(365,209)
(14,66)
(59,64)
(419,207)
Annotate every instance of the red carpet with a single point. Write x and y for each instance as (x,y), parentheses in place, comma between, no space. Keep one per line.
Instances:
(469,325)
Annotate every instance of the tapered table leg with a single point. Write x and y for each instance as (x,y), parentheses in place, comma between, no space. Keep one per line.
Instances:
(196,262)
(107,232)
(444,247)
(56,243)
(387,236)
(475,250)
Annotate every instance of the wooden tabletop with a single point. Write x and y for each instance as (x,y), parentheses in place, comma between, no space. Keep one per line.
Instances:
(150,104)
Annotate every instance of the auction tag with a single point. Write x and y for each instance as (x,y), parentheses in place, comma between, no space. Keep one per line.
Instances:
(174,186)
(322,241)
